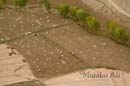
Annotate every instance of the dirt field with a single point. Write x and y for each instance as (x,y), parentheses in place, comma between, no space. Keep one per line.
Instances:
(54,46)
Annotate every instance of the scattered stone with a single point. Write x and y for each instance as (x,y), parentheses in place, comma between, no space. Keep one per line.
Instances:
(39,70)
(37,59)
(104,44)
(73,53)
(94,46)
(54,25)
(63,62)
(81,51)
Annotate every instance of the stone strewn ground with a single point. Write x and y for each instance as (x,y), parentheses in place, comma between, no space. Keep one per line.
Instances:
(55,46)
(46,58)
(95,51)
(12,67)
(23,23)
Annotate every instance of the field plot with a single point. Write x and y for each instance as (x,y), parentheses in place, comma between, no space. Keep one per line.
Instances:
(55,46)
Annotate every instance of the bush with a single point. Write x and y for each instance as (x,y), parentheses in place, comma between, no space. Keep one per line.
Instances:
(73,11)
(117,32)
(20,3)
(2,2)
(46,4)
(92,24)
(81,15)
(63,10)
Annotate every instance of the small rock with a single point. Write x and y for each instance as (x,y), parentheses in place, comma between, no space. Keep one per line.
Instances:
(63,62)
(94,46)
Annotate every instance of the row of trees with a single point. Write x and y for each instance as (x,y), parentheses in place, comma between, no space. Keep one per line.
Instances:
(79,15)
(116,32)
(22,3)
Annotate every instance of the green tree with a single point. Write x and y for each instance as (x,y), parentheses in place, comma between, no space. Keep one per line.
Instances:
(2,3)
(45,4)
(92,24)
(20,3)
(63,10)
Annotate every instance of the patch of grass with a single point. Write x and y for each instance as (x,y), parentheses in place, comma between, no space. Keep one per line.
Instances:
(118,33)
(20,3)
(63,9)
(72,13)
(46,4)
(93,25)
(81,15)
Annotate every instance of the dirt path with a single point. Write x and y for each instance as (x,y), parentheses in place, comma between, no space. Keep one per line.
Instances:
(119,8)
(107,10)
(13,69)
(92,77)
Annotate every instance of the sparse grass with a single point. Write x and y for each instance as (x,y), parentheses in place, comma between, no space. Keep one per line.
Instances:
(20,3)
(72,13)
(93,25)
(46,4)
(117,33)
(63,9)
(81,15)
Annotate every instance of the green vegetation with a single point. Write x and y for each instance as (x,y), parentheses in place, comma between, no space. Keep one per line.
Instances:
(46,4)
(2,3)
(20,3)
(72,13)
(81,15)
(92,24)
(63,10)
(118,33)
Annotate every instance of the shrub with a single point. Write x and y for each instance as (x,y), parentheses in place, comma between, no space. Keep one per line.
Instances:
(46,4)
(117,32)
(81,15)
(63,10)
(73,11)
(92,24)
(2,2)
(20,3)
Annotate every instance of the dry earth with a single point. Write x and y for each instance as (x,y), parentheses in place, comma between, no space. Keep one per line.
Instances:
(54,46)
(13,69)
